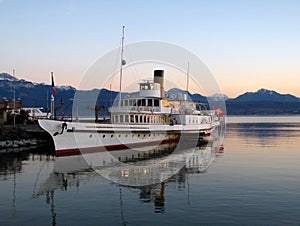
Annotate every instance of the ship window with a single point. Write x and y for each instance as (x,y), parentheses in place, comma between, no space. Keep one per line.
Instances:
(126,102)
(150,102)
(136,119)
(132,102)
(121,118)
(148,119)
(103,136)
(156,102)
(164,119)
(141,119)
(131,118)
(143,102)
(126,118)
(139,102)
(112,136)
(116,118)
(144,121)
(145,86)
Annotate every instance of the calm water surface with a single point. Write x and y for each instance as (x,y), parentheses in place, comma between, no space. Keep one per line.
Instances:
(256,181)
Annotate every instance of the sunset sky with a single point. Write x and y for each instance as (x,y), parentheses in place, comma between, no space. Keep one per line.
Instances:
(247,45)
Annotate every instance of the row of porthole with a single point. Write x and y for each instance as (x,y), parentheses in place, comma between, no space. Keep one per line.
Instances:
(126,135)
(193,121)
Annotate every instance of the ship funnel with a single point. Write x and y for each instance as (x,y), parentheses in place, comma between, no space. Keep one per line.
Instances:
(159,78)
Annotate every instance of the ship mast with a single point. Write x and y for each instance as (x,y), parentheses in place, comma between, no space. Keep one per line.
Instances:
(52,100)
(187,76)
(123,62)
(14,113)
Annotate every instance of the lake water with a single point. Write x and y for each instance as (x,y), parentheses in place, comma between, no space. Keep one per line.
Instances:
(255,181)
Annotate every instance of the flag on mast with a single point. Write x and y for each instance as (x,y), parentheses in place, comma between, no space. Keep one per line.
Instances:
(53,87)
(218,111)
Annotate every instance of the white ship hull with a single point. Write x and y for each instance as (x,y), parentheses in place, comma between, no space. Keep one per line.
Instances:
(79,138)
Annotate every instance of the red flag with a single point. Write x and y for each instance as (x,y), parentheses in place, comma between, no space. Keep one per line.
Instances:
(218,111)
(53,87)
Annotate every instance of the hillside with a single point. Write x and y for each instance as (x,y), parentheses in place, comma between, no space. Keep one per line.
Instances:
(265,95)
(261,102)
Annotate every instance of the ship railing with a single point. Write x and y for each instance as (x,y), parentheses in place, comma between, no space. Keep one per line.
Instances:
(135,109)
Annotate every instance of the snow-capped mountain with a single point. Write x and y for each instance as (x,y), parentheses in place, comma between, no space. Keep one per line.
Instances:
(266,95)
(39,94)
(219,97)
(32,94)
(7,77)
(65,88)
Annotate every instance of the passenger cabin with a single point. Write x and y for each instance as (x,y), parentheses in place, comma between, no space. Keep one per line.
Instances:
(145,108)
(149,106)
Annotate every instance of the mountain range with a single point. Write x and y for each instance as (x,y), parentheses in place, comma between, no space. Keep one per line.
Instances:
(266,95)
(261,102)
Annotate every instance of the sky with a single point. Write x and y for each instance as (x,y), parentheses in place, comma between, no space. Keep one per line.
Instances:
(247,45)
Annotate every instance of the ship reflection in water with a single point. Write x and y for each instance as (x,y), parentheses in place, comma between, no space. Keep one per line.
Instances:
(256,182)
(148,170)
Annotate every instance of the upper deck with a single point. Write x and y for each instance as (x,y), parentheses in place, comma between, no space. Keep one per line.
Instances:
(149,89)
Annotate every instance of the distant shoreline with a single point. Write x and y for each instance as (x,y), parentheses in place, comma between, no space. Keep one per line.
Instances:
(285,115)
(260,115)
(289,119)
